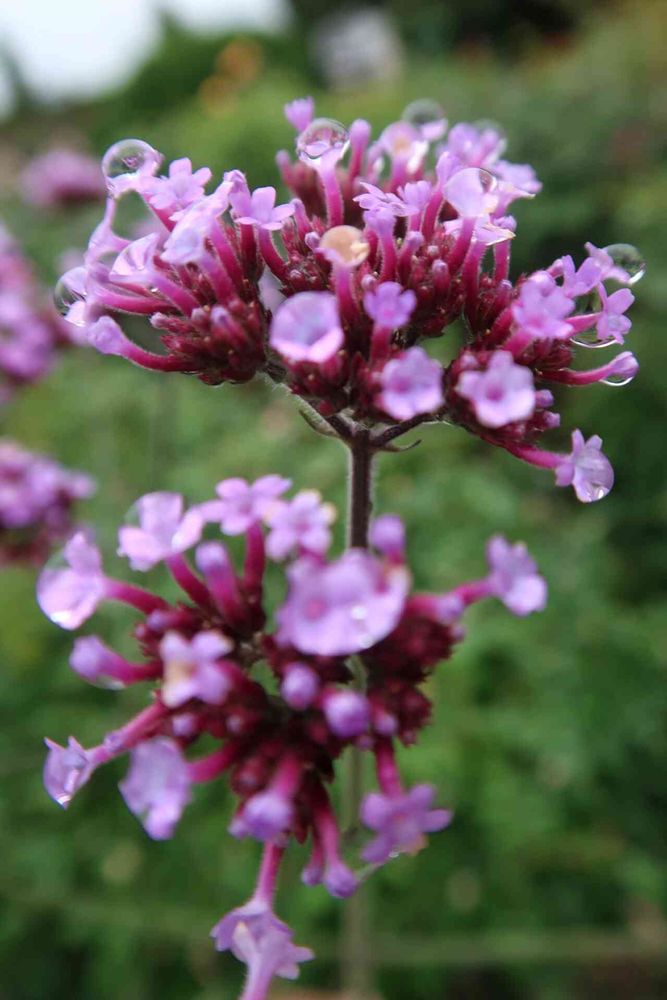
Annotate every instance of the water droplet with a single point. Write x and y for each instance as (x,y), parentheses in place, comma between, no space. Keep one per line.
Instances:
(629,259)
(589,340)
(487,180)
(423,112)
(617,380)
(67,293)
(325,141)
(129,158)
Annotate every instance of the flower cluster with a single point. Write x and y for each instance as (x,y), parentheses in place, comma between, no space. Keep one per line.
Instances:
(30,329)
(383,247)
(279,740)
(36,500)
(60,178)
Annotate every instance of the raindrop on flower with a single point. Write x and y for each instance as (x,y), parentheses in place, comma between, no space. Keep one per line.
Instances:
(65,296)
(423,112)
(487,180)
(129,157)
(325,139)
(629,258)
(617,380)
(589,339)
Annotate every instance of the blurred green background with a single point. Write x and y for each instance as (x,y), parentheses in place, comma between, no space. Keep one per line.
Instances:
(550,734)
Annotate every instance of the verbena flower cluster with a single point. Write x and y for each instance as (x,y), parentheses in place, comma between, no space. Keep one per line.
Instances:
(36,503)
(279,740)
(337,292)
(60,178)
(31,332)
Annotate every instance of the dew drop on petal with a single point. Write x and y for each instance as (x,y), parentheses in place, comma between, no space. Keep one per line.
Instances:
(629,258)
(324,138)
(129,157)
(589,339)
(64,296)
(423,112)
(617,380)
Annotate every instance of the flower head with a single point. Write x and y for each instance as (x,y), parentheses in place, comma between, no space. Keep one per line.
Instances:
(191,668)
(400,822)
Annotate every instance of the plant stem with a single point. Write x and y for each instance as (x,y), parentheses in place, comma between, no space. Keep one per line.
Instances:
(357,971)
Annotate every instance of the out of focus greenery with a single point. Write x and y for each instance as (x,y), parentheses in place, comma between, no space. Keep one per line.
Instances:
(550,734)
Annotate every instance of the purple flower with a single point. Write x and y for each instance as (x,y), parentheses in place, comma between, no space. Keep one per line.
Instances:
(475,147)
(607,265)
(586,469)
(157,786)
(390,305)
(243,504)
(307,327)
(255,935)
(514,579)
(377,203)
(191,668)
(540,309)
(260,209)
(299,113)
(472,193)
(612,324)
(93,660)
(347,713)
(65,771)
(71,586)
(411,384)
(400,822)
(501,394)
(339,880)
(301,523)
(416,196)
(179,190)
(404,144)
(164,529)
(343,607)
(300,686)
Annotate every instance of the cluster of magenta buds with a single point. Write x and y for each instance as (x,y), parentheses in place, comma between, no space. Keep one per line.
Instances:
(37,498)
(279,688)
(31,332)
(384,246)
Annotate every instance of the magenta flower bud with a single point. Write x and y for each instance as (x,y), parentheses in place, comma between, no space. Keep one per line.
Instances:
(164,530)
(65,771)
(400,822)
(505,392)
(339,880)
(299,113)
(72,584)
(106,336)
(307,328)
(300,686)
(95,662)
(347,713)
(514,578)
(411,385)
(265,816)
(586,469)
(622,369)
(387,535)
(157,786)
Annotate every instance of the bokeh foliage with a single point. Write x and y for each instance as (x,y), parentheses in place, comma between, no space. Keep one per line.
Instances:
(550,735)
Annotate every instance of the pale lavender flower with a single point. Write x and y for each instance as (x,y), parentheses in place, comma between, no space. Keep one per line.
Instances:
(390,305)
(191,668)
(255,935)
(475,147)
(501,394)
(514,579)
(541,308)
(341,607)
(307,327)
(157,786)
(300,112)
(301,523)
(612,323)
(607,265)
(376,202)
(411,384)
(179,190)
(586,469)
(400,822)
(165,529)
(260,209)
(243,504)
(62,177)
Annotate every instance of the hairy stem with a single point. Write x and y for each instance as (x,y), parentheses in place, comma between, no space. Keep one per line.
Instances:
(357,970)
